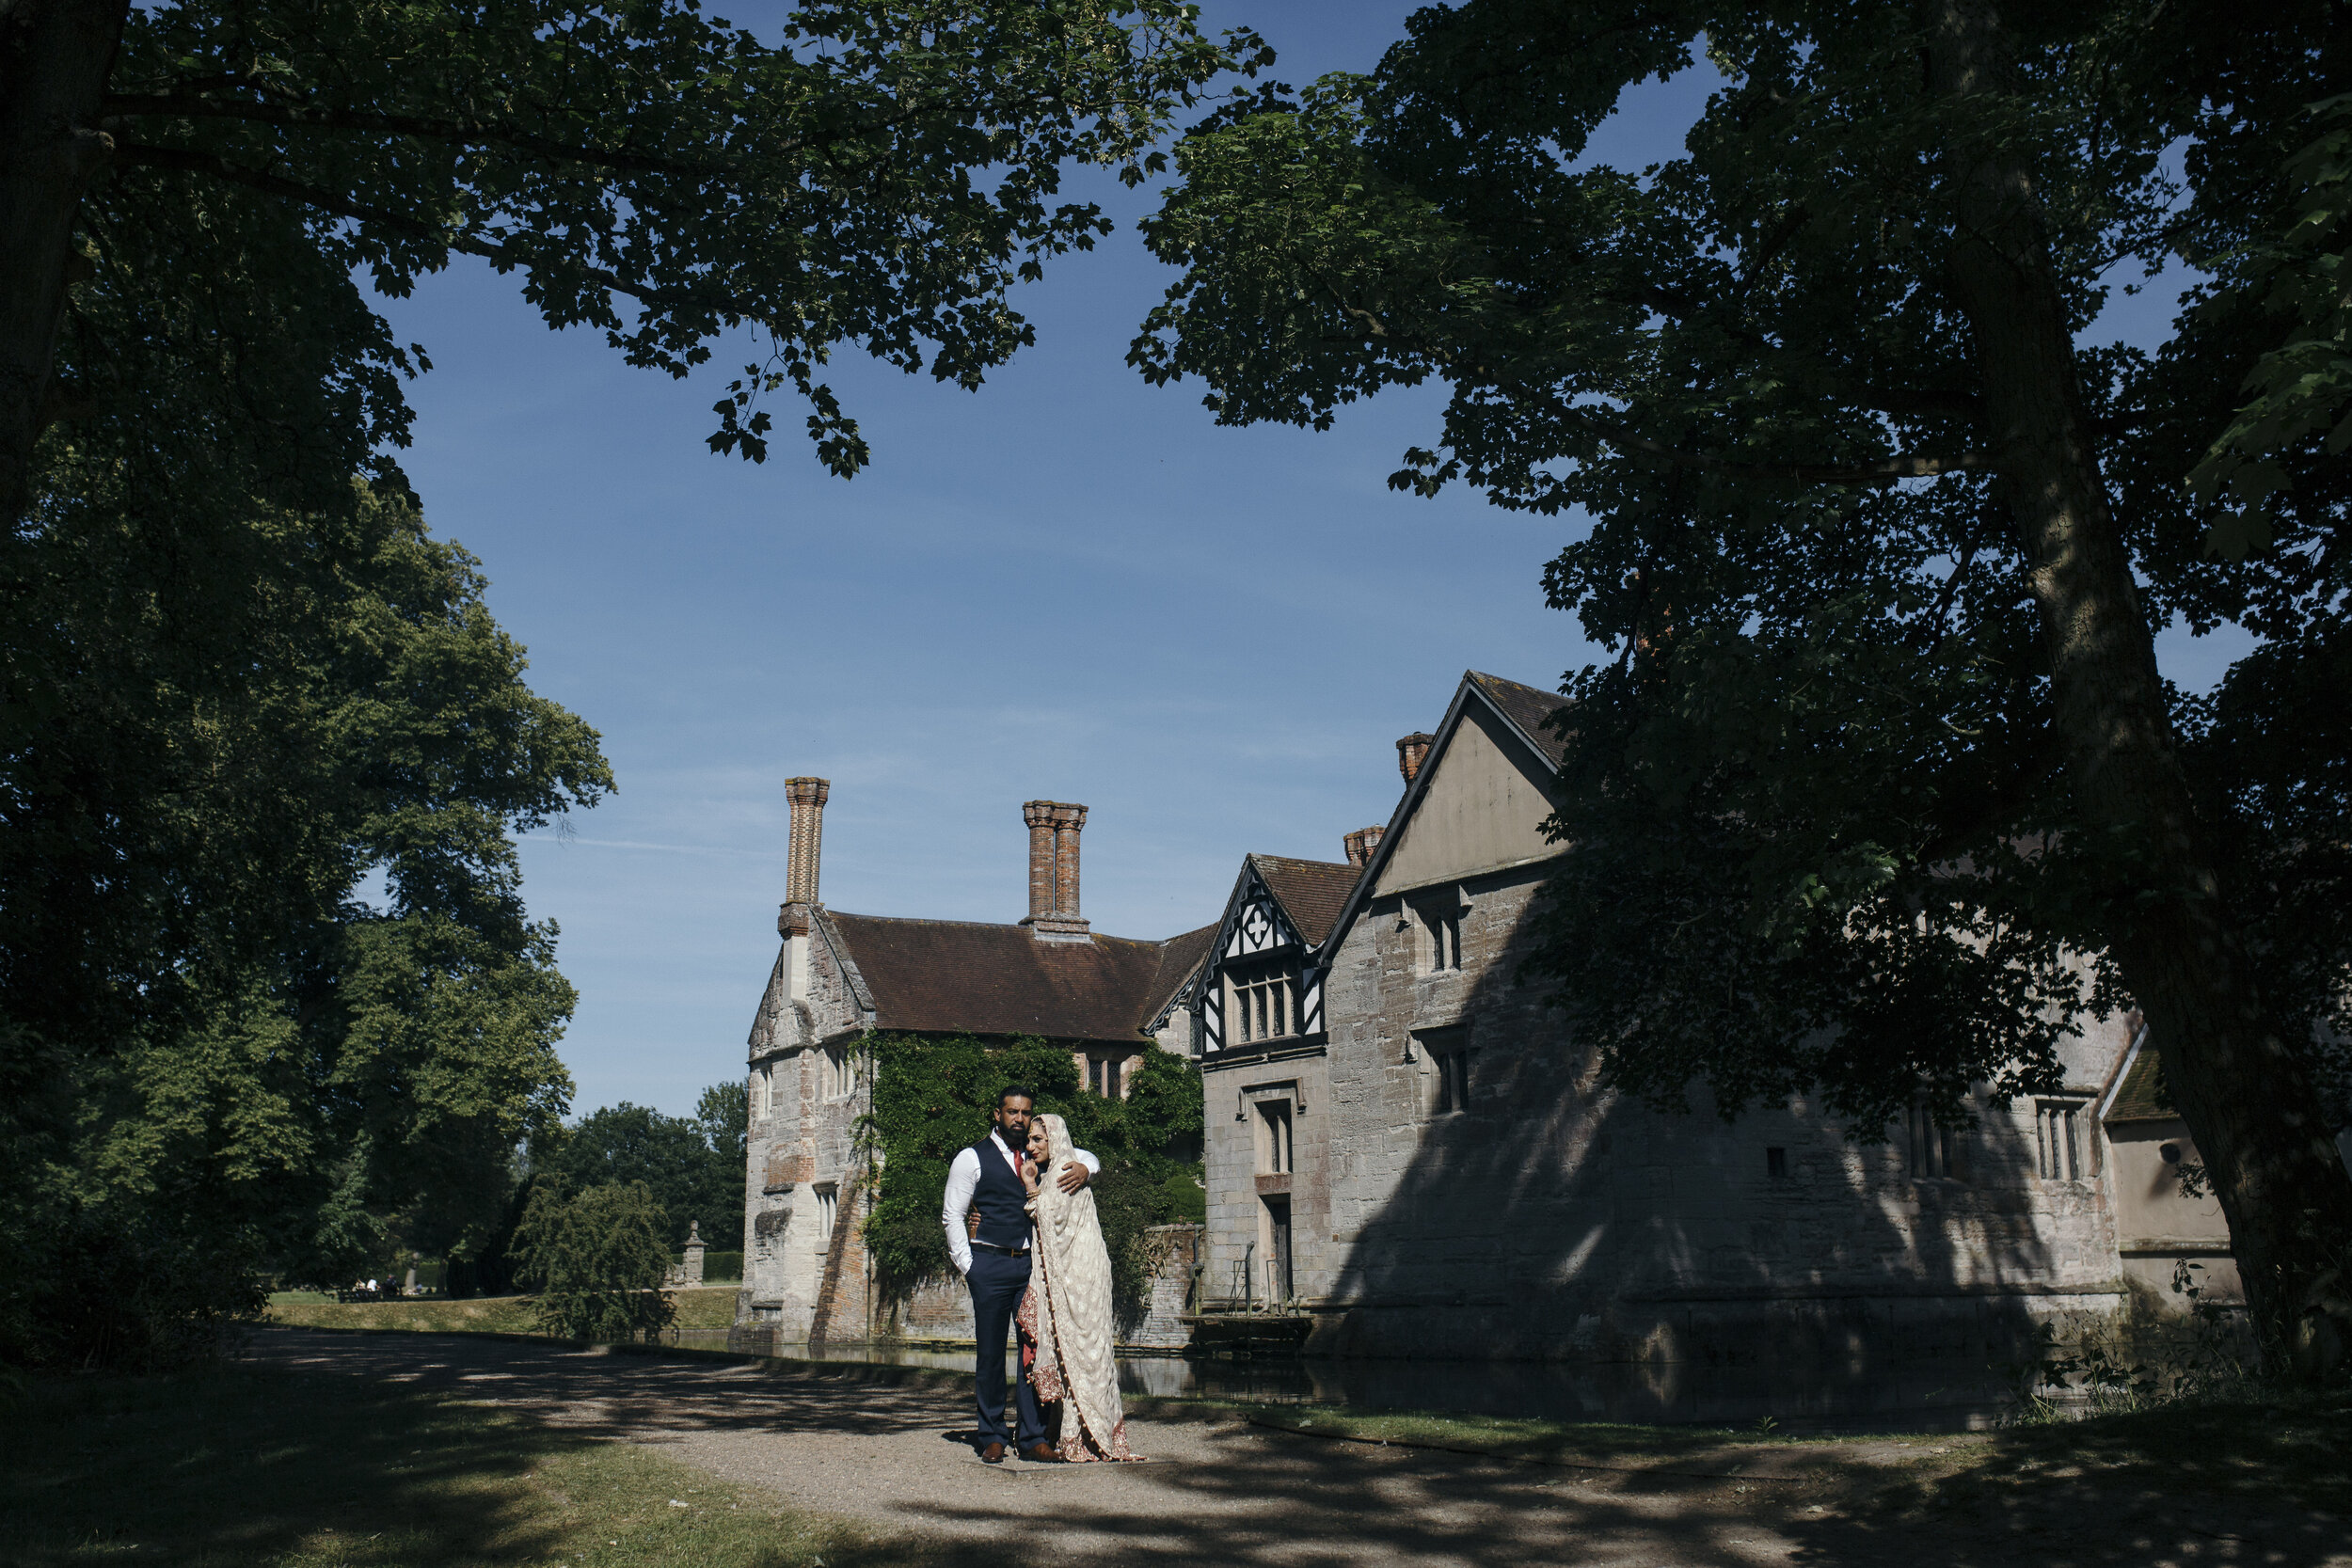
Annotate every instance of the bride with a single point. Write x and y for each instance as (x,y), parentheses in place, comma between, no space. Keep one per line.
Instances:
(1065,1320)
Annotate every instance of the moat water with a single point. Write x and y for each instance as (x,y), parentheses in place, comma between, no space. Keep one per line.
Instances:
(1941,1396)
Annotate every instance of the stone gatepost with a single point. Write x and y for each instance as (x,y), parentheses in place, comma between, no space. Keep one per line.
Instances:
(694,1245)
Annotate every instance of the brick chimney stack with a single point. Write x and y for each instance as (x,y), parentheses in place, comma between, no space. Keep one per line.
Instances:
(1054,828)
(1411,752)
(1068,820)
(803,851)
(1362,843)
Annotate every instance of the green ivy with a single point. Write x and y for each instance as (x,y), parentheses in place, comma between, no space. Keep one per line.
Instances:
(933,1096)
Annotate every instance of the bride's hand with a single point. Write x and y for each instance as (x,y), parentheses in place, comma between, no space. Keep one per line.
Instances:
(1029,1176)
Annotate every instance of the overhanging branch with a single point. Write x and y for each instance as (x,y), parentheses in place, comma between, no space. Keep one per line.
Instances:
(189,162)
(468,131)
(1888,471)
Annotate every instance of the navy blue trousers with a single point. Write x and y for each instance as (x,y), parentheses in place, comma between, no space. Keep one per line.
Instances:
(998,1282)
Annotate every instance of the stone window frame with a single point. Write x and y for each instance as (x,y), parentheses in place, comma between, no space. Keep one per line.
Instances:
(1273,1133)
(840,1070)
(1932,1151)
(828,1196)
(1273,984)
(1451,1077)
(1106,1076)
(1440,939)
(2065,1138)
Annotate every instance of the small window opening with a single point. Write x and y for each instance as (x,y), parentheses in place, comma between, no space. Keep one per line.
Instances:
(841,1069)
(1444,927)
(1776,1163)
(1453,1079)
(1275,1152)
(1934,1154)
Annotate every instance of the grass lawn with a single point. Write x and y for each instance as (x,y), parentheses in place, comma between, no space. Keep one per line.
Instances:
(280,1470)
(710,1306)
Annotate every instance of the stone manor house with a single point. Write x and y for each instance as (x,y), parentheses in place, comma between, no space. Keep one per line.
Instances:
(1408,1153)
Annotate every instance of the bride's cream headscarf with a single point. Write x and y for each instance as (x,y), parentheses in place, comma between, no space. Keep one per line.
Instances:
(1073,1285)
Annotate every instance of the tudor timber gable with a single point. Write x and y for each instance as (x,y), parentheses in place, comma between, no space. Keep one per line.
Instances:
(1262,979)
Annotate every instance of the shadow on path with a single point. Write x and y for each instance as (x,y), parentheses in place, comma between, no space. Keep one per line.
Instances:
(1220,1491)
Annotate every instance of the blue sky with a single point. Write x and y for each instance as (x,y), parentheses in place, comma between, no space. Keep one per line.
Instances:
(1069,585)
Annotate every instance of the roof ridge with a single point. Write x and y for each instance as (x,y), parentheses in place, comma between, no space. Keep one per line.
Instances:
(988,926)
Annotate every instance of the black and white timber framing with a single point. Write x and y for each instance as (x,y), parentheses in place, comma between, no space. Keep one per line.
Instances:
(1256,932)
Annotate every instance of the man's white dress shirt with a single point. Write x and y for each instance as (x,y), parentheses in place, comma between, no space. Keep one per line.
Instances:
(963,1175)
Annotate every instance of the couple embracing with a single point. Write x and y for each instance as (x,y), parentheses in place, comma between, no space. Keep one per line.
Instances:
(1035,1259)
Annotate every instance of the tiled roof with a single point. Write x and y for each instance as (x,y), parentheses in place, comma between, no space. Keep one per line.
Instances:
(1312,893)
(1179,957)
(951,976)
(1528,708)
(2141,1097)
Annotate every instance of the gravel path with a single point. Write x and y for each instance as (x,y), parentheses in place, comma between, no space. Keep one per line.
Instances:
(1219,1490)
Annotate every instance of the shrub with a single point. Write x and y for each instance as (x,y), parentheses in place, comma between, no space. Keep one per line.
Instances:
(719,1267)
(597,1260)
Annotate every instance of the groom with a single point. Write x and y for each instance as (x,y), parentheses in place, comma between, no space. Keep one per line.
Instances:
(995,1262)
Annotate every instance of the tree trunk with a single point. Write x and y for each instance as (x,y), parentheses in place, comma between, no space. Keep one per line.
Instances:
(55,56)
(2245,1096)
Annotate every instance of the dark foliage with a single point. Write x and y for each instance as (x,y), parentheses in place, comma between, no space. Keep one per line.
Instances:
(694,1170)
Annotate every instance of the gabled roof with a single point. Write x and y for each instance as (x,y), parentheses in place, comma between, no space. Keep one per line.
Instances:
(1527,708)
(2140,1097)
(1312,893)
(1180,959)
(954,976)
(1523,709)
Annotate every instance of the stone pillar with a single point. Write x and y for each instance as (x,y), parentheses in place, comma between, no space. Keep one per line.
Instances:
(695,1249)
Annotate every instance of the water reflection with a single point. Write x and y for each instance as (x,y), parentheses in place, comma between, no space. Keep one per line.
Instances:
(1926,1396)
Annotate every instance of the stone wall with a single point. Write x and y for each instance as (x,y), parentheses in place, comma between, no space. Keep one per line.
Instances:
(800,1277)
(1545,1219)
(1176,1252)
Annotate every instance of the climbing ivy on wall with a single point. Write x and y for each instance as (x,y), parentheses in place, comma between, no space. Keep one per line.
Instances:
(935,1096)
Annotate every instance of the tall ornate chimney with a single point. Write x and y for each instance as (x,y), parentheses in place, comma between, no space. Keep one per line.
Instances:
(1039,814)
(1362,843)
(1068,821)
(1411,752)
(1054,827)
(803,851)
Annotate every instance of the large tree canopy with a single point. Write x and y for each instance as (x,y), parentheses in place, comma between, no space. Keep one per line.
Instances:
(218,1057)
(878,175)
(237,678)
(1883,759)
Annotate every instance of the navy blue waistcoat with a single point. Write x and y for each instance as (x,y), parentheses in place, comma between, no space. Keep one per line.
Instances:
(1000,1198)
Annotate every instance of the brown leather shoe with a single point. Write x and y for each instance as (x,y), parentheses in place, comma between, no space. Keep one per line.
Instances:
(1040,1453)
(992,1454)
